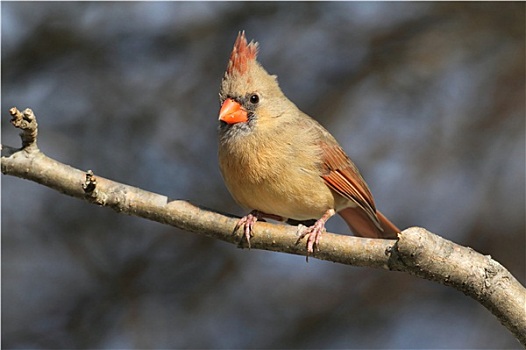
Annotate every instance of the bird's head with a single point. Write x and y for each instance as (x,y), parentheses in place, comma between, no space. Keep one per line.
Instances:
(248,92)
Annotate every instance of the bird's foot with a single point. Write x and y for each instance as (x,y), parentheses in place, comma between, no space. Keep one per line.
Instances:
(314,232)
(249,220)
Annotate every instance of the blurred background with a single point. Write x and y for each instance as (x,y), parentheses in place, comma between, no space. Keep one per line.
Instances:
(427,98)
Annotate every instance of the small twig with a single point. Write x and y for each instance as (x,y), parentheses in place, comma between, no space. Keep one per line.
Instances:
(27,122)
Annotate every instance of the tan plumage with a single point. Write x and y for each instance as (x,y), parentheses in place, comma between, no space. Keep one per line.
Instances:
(279,162)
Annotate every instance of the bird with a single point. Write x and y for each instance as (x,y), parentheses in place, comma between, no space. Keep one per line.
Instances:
(282,164)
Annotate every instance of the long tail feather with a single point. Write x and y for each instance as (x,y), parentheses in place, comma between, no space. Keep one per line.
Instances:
(361,225)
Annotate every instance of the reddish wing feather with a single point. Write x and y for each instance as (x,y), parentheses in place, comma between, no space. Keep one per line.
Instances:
(342,176)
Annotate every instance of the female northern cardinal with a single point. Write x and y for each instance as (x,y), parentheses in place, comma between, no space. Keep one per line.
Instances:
(281,163)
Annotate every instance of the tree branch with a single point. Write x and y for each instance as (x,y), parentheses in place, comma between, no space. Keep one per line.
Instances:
(416,251)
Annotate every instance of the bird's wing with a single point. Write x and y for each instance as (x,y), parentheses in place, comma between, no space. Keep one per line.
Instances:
(343,177)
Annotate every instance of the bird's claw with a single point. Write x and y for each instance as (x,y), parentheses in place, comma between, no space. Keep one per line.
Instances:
(314,232)
(247,222)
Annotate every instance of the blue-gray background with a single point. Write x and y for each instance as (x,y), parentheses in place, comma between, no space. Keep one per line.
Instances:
(427,98)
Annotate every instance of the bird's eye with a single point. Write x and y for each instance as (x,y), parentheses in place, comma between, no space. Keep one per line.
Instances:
(254,99)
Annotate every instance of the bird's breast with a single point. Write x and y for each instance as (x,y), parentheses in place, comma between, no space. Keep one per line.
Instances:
(275,177)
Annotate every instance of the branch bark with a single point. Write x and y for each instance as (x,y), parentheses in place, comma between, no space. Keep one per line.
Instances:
(416,251)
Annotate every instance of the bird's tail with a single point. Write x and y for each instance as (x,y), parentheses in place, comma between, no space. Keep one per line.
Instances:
(361,225)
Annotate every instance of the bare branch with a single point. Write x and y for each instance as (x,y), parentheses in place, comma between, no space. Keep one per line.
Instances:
(417,251)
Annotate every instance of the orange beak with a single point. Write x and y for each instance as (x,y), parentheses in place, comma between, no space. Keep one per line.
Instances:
(231,112)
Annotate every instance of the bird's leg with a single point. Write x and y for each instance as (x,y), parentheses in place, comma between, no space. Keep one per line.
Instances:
(315,231)
(249,220)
